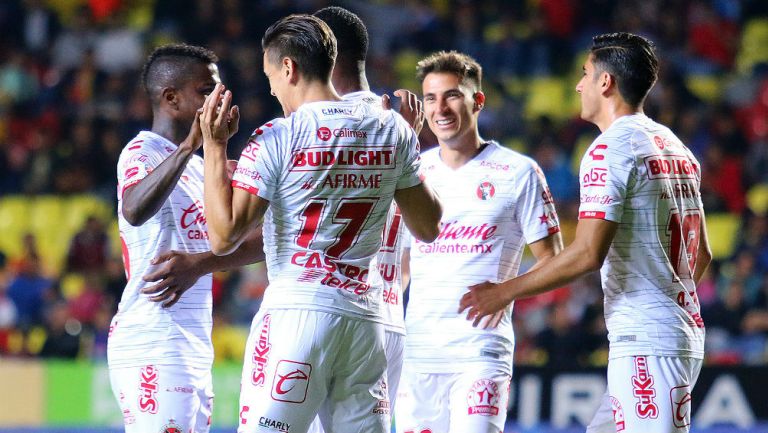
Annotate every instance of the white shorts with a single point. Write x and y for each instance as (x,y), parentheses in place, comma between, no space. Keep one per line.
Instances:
(395,343)
(647,394)
(301,363)
(472,401)
(161,398)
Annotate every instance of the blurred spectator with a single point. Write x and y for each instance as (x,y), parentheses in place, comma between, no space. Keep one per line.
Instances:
(62,333)
(89,249)
(562,339)
(30,291)
(85,306)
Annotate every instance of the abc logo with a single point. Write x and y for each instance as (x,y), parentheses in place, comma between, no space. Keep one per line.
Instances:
(324,133)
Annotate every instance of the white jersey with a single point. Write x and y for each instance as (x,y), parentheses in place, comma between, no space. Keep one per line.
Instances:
(329,171)
(639,175)
(389,259)
(492,207)
(143,330)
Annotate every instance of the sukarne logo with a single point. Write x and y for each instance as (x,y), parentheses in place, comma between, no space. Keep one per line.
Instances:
(148,389)
(260,356)
(642,389)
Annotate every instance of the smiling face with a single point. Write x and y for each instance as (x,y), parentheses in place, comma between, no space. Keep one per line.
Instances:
(451,108)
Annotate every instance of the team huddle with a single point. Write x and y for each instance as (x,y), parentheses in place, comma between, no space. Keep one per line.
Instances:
(347,212)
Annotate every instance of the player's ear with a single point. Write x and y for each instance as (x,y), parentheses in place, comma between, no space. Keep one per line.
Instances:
(479,98)
(289,69)
(170,96)
(606,81)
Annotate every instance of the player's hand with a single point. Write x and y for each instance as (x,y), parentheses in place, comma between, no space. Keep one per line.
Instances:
(411,108)
(484,300)
(176,273)
(219,120)
(194,139)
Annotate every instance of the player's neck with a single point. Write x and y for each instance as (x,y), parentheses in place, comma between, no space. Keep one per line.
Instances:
(350,80)
(459,151)
(614,110)
(314,91)
(170,129)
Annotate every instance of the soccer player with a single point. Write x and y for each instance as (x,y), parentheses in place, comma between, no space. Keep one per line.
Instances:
(160,352)
(349,79)
(325,176)
(641,222)
(455,377)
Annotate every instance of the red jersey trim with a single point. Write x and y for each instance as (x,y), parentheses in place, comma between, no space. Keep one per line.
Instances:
(244,186)
(592,214)
(128,185)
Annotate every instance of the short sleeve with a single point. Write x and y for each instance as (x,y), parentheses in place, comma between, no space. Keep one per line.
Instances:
(535,212)
(603,178)
(408,152)
(137,160)
(258,169)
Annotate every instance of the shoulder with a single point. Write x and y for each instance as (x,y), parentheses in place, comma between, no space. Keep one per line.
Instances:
(143,145)
(506,159)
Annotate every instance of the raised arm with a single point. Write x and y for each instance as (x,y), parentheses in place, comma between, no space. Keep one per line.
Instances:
(231,213)
(144,200)
(421,211)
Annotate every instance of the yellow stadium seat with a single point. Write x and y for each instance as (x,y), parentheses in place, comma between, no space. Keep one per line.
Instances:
(722,231)
(754,45)
(547,97)
(708,88)
(72,285)
(114,238)
(79,208)
(14,223)
(757,198)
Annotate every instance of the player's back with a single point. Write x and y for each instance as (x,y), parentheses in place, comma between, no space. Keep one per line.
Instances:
(651,301)
(330,174)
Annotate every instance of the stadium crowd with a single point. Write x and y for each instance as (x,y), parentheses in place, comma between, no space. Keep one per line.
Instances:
(70,98)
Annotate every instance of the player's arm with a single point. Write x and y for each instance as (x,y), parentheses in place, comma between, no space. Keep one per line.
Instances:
(585,254)
(545,249)
(144,199)
(421,211)
(178,271)
(704,254)
(230,213)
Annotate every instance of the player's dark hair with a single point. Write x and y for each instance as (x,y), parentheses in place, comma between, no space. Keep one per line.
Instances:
(464,66)
(350,31)
(168,66)
(631,60)
(306,40)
